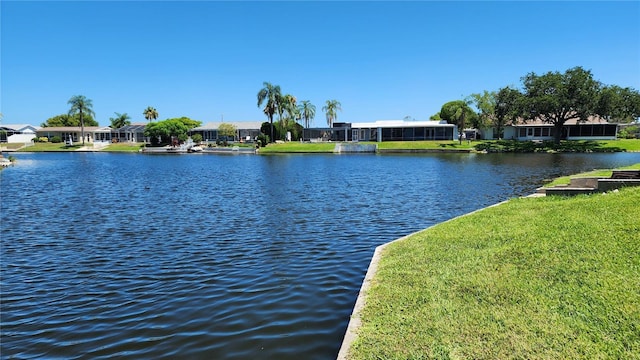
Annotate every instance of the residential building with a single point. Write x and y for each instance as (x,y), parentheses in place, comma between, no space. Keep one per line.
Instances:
(245,130)
(93,134)
(383,130)
(594,128)
(18,133)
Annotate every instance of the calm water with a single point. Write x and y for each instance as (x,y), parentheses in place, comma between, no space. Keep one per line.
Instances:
(208,256)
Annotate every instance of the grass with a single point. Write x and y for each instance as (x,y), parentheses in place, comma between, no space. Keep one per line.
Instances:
(425,145)
(624,144)
(44,147)
(123,147)
(534,278)
(564,146)
(11,146)
(482,145)
(595,173)
(298,147)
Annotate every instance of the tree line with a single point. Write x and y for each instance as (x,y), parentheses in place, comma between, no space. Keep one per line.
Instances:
(552,98)
(289,111)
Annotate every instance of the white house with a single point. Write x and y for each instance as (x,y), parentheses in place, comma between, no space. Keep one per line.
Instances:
(18,133)
(594,128)
(93,134)
(384,130)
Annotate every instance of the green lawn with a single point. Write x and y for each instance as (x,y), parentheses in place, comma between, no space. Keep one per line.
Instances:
(425,145)
(595,173)
(123,147)
(564,146)
(534,278)
(482,145)
(298,147)
(489,145)
(625,144)
(43,147)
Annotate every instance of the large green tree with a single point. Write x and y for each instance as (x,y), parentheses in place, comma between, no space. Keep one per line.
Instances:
(120,120)
(619,104)
(308,111)
(69,120)
(150,113)
(163,131)
(81,105)
(270,95)
(556,98)
(507,109)
(457,112)
(228,131)
(485,102)
(331,110)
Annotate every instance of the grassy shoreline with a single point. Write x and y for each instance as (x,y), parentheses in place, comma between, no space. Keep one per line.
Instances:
(548,277)
(390,147)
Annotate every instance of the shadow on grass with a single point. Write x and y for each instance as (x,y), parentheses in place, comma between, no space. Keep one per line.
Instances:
(544,146)
(449,145)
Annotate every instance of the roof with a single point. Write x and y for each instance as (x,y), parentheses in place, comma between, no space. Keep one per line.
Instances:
(74,129)
(240,125)
(131,128)
(19,127)
(591,120)
(401,124)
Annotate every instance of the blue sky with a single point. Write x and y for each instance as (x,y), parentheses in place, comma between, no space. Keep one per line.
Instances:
(207,60)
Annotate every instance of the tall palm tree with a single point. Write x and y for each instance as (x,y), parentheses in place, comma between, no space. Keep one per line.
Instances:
(308,112)
(288,105)
(120,120)
(331,109)
(81,105)
(150,113)
(271,94)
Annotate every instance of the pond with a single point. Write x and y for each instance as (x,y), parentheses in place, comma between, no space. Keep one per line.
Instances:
(222,256)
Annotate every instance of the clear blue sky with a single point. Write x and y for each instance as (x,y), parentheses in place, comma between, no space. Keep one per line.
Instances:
(382,60)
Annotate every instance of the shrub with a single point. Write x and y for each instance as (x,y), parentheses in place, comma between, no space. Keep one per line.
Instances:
(628,132)
(56,139)
(263,139)
(196,138)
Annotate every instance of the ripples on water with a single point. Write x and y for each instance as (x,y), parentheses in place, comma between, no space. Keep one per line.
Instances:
(203,256)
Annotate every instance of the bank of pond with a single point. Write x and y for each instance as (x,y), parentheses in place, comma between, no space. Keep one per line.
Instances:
(508,146)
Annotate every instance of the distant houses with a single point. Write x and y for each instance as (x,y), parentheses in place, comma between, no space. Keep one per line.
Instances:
(383,130)
(377,131)
(594,128)
(245,130)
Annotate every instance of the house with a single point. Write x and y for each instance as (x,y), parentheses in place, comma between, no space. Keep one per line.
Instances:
(18,133)
(245,130)
(594,128)
(93,134)
(130,133)
(384,130)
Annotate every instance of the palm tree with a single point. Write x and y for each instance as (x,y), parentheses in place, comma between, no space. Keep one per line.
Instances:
(80,105)
(331,109)
(150,113)
(272,95)
(288,105)
(120,120)
(308,112)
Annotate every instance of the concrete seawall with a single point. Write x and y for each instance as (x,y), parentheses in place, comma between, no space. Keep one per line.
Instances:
(355,321)
(355,148)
